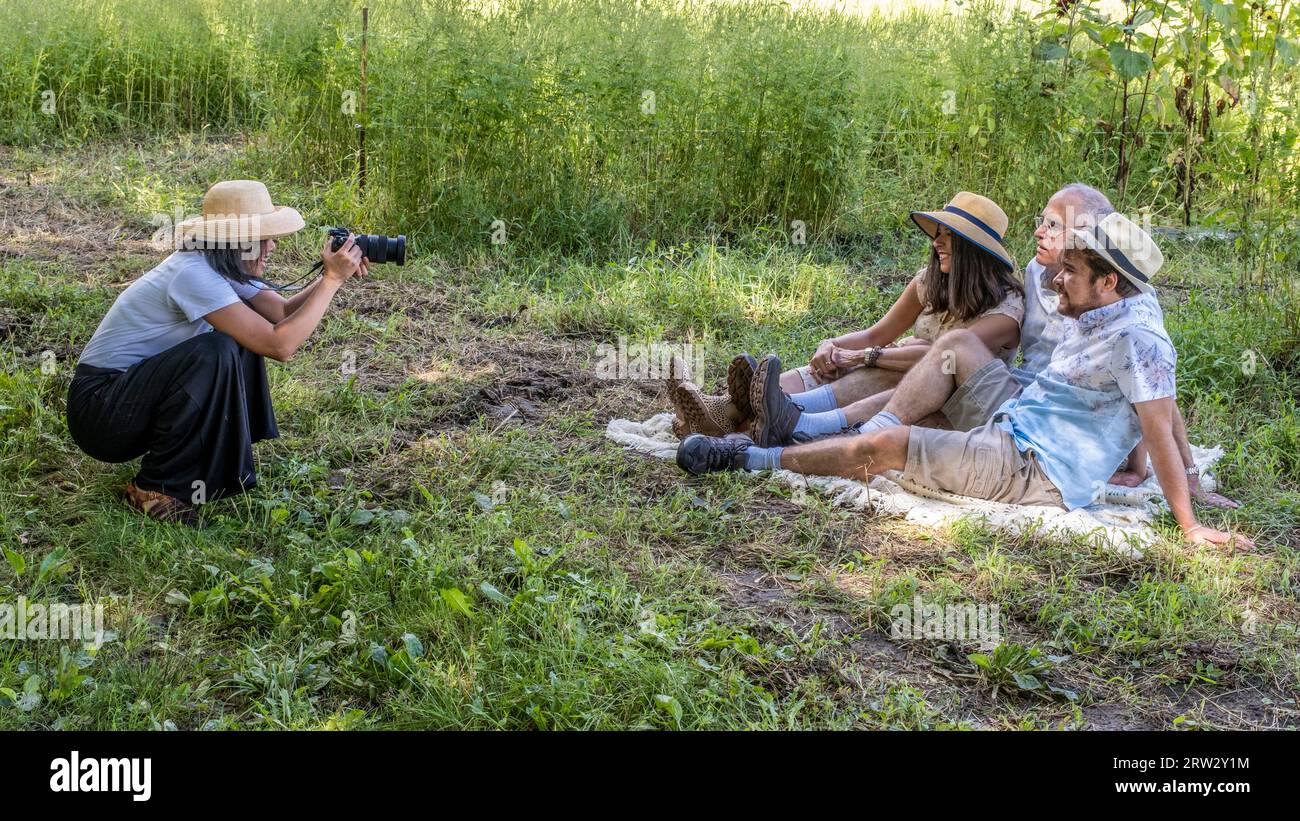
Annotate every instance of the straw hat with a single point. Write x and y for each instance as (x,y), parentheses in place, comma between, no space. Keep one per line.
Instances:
(1123,243)
(239,211)
(975,219)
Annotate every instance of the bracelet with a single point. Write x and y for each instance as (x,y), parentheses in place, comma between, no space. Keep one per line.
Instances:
(1192,471)
(872,355)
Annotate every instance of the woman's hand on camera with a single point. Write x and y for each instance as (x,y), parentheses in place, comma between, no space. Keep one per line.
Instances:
(342,264)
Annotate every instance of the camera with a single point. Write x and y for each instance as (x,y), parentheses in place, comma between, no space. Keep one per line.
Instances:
(374,247)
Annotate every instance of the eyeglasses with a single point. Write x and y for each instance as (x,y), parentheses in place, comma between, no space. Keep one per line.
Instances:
(1054,226)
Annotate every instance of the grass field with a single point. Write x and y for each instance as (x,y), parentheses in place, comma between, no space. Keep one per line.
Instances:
(445,538)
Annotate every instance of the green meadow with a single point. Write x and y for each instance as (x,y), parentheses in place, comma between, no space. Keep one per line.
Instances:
(443,537)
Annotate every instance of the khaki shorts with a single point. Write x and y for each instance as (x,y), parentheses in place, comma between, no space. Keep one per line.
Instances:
(974,401)
(983,463)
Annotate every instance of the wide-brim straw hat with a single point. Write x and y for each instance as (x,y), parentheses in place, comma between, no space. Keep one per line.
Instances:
(1122,242)
(239,212)
(976,219)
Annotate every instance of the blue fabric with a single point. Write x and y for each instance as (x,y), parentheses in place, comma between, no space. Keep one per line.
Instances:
(1077,414)
(1043,326)
(821,424)
(952,209)
(763,458)
(817,400)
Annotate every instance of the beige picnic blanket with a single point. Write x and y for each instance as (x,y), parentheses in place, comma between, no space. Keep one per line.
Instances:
(1122,523)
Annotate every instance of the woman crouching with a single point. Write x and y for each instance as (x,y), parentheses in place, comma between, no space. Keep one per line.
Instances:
(175,371)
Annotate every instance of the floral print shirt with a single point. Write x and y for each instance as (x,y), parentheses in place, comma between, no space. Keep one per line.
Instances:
(1043,326)
(1077,414)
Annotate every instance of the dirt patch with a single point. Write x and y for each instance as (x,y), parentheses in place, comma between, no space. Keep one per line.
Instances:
(1242,708)
(754,589)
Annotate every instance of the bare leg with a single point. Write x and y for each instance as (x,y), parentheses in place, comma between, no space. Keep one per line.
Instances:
(864,409)
(858,383)
(862,383)
(949,362)
(792,382)
(853,457)
(935,420)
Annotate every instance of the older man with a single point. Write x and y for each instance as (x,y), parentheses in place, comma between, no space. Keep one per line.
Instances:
(1055,439)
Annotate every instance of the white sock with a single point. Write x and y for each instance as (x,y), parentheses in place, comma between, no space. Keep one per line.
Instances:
(880,421)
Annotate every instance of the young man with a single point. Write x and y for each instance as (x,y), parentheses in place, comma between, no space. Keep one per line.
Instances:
(1108,385)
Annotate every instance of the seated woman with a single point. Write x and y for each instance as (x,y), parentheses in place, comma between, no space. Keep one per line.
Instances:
(968,283)
(175,370)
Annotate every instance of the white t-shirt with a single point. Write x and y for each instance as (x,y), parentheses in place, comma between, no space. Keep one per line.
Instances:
(1041,331)
(930,326)
(161,309)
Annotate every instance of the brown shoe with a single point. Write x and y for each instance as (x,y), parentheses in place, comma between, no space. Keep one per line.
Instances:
(160,506)
(700,413)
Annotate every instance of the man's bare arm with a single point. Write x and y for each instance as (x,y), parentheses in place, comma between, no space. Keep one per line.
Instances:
(1157,419)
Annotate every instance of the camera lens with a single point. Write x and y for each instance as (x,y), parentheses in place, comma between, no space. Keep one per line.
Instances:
(380,249)
(398,249)
(375,247)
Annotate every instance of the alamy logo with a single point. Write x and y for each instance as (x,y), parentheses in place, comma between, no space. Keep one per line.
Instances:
(27,621)
(951,622)
(129,775)
(648,361)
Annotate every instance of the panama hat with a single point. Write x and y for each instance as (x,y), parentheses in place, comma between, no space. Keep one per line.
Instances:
(976,219)
(237,212)
(1123,244)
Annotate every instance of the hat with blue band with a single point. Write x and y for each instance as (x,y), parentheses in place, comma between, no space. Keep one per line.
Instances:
(975,219)
(1123,243)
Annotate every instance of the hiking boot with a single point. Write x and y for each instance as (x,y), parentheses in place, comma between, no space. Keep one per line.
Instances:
(775,413)
(699,413)
(700,454)
(739,377)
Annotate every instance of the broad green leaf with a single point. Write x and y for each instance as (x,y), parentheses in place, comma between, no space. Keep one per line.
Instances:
(493,594)
(414,648)
(1049,50)
(52,565)
(669,705)
(1128,63)
(457,600)
(1288,51)
(522,550)
(16,561)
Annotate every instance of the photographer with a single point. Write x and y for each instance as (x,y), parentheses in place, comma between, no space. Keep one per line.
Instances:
(175,370)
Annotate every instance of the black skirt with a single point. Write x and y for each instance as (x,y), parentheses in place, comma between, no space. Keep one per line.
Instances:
(193,412)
